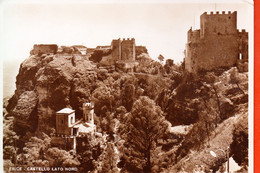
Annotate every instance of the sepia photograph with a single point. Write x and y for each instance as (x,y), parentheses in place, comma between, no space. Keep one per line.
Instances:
(113,86)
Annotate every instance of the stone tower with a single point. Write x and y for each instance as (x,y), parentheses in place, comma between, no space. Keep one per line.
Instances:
(123,49)
(128,49)
(88,112)
(217,43)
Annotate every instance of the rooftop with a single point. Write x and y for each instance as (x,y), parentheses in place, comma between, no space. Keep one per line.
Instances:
(65,111)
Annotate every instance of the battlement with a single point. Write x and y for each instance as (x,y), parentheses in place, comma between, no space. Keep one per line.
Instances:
(132,40)
(218,23)
(218,13)
(88,106)
(242,31)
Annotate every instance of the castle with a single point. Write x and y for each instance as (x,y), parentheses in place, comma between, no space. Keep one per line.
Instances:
(120,53)
(123,49)
(217,43)
(123,54)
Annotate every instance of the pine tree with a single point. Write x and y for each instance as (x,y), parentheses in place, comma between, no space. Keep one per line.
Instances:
(109,161)
(146,125)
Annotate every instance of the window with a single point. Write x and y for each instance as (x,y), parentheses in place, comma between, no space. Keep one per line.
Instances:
(240,55)
(71,120)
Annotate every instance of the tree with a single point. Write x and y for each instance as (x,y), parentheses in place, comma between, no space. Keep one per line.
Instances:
(128,96)
(234,79)
(109,161)
(146,125)
(59,157)
(34,151)
(239,146)
(161,58)
(9,139)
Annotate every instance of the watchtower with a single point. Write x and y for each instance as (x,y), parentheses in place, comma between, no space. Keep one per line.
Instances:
(216,44)
(128,49)
(88,112)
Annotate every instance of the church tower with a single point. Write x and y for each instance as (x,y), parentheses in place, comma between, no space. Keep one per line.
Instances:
(88,112)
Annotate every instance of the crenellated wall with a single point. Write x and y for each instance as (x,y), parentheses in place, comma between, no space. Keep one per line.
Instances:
(218,24)
(128,49)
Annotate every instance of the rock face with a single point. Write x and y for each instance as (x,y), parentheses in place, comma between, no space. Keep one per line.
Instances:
(46,84)
(51,79)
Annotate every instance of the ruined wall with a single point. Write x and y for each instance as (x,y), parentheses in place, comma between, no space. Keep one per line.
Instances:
(44,49)
(128,49)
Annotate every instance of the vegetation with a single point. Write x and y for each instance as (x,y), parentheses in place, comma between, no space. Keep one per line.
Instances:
(145,126)
(134,114)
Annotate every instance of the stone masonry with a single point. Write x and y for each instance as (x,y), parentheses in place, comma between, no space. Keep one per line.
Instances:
(217,43)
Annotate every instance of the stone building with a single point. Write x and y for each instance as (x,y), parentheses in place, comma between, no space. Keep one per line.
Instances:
(217,43)
(65,120)
(44,49)
(68,130)
(67,126)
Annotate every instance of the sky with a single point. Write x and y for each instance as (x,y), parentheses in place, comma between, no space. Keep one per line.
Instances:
(161,26)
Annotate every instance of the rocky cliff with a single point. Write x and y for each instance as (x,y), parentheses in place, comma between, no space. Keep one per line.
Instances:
(47,83)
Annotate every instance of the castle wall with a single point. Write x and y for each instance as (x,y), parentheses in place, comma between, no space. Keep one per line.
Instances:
(192,54)
(219,51)
(193,36)
(108,60)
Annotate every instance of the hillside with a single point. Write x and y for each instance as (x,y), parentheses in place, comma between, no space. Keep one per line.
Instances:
(173,114)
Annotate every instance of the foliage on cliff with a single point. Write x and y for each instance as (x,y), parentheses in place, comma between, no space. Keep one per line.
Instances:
(128,106)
